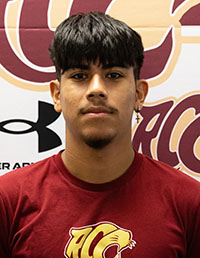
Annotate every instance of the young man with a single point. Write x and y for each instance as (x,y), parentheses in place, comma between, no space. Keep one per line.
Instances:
(98,197)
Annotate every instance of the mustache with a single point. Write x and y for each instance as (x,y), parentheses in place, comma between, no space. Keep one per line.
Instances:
(103,106)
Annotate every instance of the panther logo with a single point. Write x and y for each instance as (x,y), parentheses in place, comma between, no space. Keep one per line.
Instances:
(97,240)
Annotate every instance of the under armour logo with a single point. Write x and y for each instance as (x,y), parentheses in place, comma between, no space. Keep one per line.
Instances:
(48,139)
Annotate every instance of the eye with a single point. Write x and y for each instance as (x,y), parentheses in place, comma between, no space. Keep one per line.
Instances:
(114,75)
(79,76)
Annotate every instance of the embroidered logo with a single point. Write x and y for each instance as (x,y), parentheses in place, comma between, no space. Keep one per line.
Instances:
(96,240)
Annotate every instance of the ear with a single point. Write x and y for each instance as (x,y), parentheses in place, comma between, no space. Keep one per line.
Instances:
(55,94)
(141,93)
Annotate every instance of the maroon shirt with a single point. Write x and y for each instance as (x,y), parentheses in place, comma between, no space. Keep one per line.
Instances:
(152,211)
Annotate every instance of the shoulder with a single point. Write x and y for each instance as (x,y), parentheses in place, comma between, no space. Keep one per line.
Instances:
(170,181)
(175,189)
(13,181)
(26,187)
(165,171)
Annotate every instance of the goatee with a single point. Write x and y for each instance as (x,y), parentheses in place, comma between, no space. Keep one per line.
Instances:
(97,143)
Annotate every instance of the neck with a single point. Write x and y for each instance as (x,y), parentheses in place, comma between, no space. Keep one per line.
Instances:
(101,165)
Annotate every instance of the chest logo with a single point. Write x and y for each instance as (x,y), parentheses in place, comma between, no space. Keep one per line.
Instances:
(98,241)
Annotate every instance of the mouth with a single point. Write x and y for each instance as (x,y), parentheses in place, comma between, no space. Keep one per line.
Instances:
(98,111)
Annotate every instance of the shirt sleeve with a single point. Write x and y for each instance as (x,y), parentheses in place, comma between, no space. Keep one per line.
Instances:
(4,230)
(194,245)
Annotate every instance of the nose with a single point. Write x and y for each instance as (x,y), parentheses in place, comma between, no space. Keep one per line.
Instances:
(96,88)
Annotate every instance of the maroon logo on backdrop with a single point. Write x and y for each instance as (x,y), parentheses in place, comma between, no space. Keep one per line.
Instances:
(143,136)
(35,37)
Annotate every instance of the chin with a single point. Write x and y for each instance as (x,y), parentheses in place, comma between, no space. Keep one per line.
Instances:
(98,142)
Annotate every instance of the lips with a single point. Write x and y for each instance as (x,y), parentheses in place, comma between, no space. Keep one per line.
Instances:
(97,110)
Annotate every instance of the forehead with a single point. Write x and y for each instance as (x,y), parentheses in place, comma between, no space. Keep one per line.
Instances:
(89,65)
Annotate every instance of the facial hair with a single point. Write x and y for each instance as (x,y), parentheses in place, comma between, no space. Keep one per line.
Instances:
(97,143)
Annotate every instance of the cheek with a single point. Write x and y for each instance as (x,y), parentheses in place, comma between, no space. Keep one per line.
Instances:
(129,102)
(70,104)
(66,105)
(132,100)
(67,97)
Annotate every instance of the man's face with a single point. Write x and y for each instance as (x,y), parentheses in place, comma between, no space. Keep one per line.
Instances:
(97,102)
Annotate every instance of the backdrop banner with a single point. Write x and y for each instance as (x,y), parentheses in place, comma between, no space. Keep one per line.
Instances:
(169,128)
